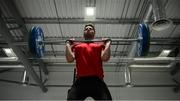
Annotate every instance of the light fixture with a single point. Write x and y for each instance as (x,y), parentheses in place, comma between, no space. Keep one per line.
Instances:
(167,51)
(90,11)
(9,52)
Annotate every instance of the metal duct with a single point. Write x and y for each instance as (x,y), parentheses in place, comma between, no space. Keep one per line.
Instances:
(8,59)
(25,78)
(156,60)
(152,66)
(148,14)
(128,62)
(161,22)
(11,66)
(112,60)
(127,69)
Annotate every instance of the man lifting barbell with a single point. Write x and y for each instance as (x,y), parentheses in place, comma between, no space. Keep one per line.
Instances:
(89,56)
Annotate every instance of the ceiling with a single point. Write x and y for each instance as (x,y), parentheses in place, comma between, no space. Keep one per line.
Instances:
(64,19)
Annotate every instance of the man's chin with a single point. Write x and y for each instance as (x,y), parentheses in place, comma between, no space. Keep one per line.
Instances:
(88,38)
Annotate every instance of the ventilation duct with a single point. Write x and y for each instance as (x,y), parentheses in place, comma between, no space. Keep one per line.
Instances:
(160,20)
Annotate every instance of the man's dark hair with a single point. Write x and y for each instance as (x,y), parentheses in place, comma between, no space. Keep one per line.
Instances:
(90,24)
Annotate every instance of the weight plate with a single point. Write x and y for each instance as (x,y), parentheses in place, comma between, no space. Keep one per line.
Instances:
(143,40)
(36,41)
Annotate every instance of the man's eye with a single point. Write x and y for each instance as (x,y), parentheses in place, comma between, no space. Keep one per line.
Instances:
(89,29)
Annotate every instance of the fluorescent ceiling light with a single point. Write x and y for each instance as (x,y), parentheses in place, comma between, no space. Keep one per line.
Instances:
(90,11)
(167,51)
(9,52)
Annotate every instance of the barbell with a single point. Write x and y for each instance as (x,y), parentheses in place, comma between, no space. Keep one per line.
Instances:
(87,41)
(36,41)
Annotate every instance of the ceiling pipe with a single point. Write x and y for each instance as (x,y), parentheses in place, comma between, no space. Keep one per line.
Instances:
(161,22)
(152,66)
(156,60)
(8,59)
(127,74)
(25,78)
(148,14)
(11,66)
(127,69)
(112,60)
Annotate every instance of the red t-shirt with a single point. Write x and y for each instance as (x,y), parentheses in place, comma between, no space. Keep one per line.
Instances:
(88,59)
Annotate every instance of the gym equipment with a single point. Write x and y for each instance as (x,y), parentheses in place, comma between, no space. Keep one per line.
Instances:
(37,43)
(144,40)
(88,41)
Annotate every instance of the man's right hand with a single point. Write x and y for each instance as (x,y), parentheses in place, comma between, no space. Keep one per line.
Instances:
(70,41)
(69,54)
(106,41)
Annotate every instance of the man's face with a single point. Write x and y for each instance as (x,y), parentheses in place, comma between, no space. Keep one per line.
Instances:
(89,33)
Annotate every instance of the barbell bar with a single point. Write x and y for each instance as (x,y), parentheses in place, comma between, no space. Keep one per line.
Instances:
(100,40)
(60,42)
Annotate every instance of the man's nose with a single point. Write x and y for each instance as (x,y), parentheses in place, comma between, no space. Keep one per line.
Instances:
(88,30)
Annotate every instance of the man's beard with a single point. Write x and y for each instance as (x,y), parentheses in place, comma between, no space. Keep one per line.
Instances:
(88,36)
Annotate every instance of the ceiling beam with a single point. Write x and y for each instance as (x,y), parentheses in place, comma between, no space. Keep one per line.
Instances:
(82,21)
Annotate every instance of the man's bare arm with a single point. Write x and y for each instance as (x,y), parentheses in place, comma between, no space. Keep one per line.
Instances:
(69,53)
(106,53)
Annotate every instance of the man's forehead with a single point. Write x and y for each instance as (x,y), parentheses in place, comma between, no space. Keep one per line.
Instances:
(88,26)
